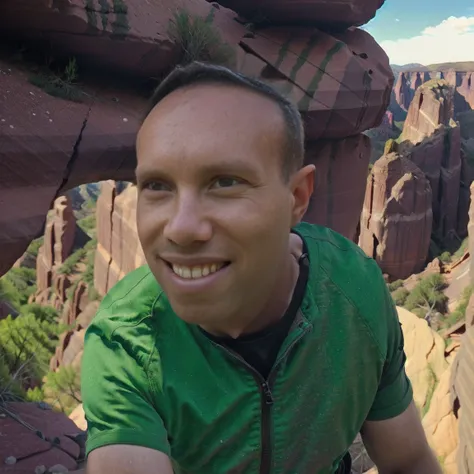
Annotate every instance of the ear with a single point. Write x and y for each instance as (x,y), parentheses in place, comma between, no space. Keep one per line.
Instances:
(302,184)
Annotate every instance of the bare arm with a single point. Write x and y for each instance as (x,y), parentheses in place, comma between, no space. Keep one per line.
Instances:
(127,459)
(399,446)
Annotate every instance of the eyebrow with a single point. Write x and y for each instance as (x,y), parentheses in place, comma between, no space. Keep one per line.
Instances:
(236,166)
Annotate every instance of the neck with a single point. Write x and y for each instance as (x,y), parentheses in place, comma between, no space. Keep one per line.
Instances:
(277,305)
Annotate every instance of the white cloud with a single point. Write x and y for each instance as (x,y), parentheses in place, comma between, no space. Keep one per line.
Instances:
(397,19)
(452,40)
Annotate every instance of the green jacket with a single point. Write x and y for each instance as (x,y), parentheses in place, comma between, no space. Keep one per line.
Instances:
(150,379)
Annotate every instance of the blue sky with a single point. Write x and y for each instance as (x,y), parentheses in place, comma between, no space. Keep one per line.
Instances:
(425,31)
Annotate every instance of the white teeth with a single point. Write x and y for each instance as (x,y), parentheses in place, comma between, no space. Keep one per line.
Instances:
(197,271)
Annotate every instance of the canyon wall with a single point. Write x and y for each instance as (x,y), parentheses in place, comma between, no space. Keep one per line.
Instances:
(461,81)
(432,142)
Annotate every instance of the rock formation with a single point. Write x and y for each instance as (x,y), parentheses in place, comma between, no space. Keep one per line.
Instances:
(341,82)
(462,380)
(430,373)
(424,349)
(396,221)
(341,170)
(462,390)
(462,81)
(58,243)
(20,441)
(49,144)
(432,140)
(118,249)
(324,14)
(441,423)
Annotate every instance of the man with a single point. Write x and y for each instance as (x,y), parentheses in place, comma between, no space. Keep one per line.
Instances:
(251,343)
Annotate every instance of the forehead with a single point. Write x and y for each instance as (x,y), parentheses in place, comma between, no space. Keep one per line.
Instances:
(212,121)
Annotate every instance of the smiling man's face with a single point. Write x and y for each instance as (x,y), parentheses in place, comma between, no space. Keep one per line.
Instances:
(214,212)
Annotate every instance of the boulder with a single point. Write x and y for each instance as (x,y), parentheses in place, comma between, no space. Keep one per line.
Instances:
(396,220)
(341,83)
(320,13)
(19,441)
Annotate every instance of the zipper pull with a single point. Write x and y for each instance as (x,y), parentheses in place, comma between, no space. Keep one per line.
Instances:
(267,393)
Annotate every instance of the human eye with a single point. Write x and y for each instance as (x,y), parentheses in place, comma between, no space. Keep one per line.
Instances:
(225,182)
(156,186)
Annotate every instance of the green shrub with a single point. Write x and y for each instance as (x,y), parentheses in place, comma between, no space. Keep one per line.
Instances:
(70,263)
(87,224)
(62,388)
(34,246)
(34,395)
(27,345)
(445,257)
(462,248)
(400,296)
(395,285)
(460,312)
(199,40)
(427,296)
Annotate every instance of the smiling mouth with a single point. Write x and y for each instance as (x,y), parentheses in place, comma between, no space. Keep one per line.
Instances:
(196,271)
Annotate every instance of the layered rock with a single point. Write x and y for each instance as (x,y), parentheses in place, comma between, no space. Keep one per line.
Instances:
(462,381)
(339,82)
(441,424)
(396,221)
(462,390)
(462,81)
(432,140)
(49,145)
(120,35)
(470,229)
(431,376)
(118,248)
(57,246)
(341,170)
(431,107)
(321,13)
(21,442)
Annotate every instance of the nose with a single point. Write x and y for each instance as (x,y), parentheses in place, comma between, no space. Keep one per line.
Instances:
(188,223)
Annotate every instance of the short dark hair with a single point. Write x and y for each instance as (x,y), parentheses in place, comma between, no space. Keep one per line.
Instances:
(199,73)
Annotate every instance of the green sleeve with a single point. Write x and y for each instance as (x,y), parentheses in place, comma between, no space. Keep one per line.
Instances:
(395,392)
(116,397)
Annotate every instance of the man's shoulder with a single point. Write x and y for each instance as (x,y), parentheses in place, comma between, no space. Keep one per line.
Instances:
(129,303)
(338,261)
(338,255)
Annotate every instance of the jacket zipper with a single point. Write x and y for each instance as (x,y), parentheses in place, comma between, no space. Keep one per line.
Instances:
(267,401)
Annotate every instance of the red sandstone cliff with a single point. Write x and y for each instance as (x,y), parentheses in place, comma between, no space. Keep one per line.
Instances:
(118,249)
(58,243)
(396,219)
(461,81)
(432,140)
